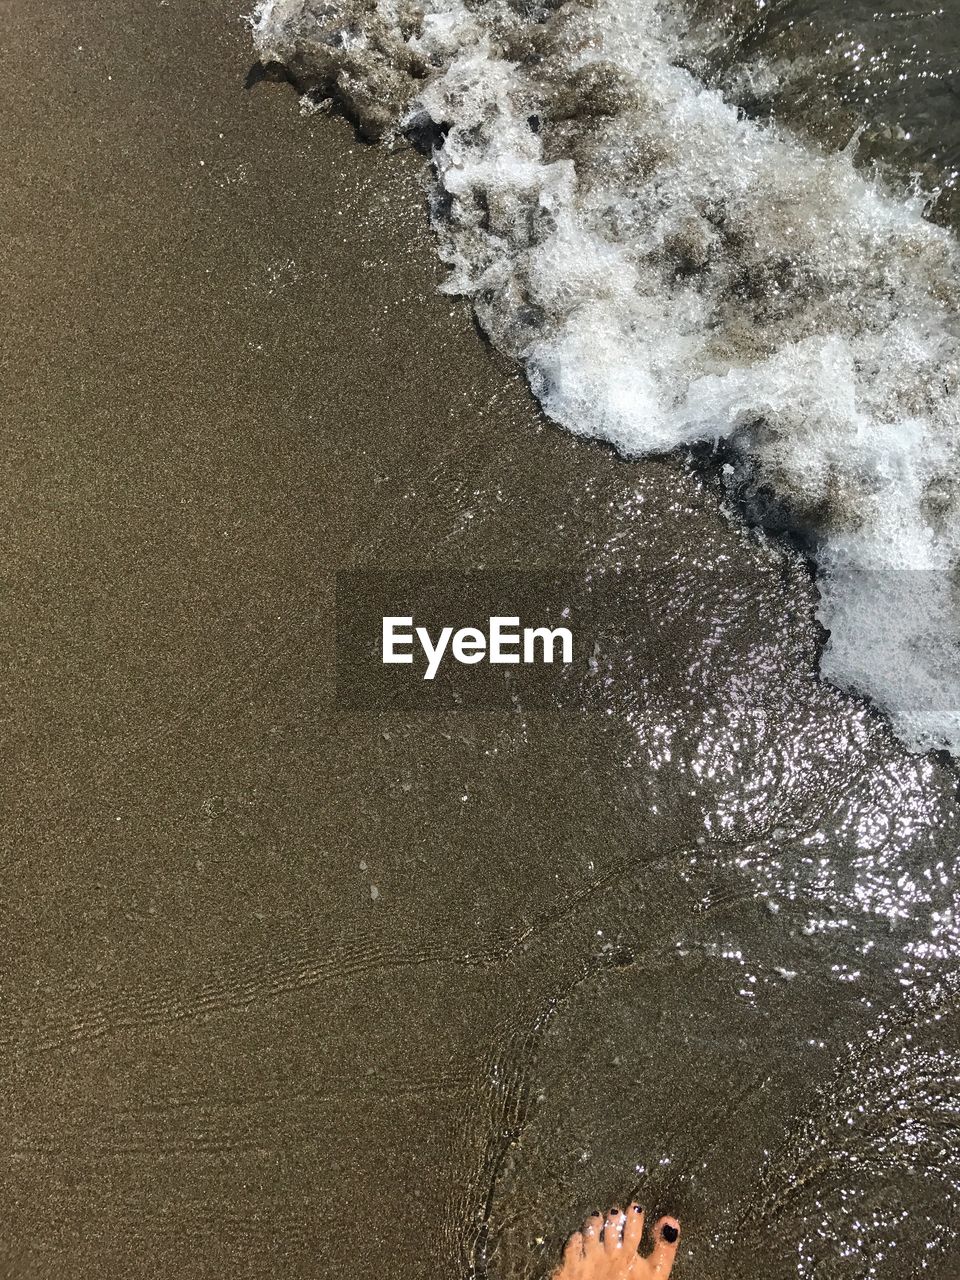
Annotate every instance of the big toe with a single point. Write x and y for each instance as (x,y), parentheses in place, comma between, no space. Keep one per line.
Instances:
(666,1241)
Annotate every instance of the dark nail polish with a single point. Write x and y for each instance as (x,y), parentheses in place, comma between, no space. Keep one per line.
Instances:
(596,1214)
(637,1209)
(670,1234)
(614,1210)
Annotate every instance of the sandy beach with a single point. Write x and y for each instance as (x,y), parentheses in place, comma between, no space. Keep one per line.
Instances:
(291,992)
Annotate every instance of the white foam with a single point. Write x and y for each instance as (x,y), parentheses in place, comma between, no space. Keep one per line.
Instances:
(671,272)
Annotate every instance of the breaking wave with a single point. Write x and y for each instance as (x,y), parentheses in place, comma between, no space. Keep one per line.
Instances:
(673,272)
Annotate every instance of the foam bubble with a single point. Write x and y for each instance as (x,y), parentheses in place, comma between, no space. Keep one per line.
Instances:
(670,272)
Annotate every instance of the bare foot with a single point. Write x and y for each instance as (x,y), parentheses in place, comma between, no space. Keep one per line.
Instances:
(606,1248)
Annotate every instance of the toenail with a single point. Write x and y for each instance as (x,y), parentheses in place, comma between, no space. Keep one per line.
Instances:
(596,1214)
(614,1210)
(670,1234)
(637,1209)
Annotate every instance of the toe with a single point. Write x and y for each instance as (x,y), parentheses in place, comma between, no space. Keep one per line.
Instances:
(633,1227)
(666,1239)
(612,1229)
(569,1268)
(591,1234)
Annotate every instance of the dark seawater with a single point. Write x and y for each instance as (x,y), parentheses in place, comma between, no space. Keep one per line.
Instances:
(748,1010)
(678,222)
(749,1015)
(887,76)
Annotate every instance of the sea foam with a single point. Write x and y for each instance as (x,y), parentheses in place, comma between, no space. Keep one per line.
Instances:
(673,273)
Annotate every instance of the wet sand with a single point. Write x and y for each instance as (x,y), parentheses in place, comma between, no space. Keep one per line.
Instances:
(226,374)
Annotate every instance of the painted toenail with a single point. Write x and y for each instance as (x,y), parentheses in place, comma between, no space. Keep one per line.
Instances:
(596,1214)
(670,1234)
(614,1210)
(637,1209)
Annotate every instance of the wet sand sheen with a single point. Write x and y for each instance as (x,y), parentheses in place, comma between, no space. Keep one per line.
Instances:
(227,373)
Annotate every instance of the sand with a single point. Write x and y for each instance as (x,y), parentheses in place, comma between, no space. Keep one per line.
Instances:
(287,991)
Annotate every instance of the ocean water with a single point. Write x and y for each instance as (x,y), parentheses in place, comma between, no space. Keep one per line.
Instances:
(722,231)
(674,216)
